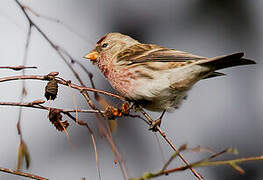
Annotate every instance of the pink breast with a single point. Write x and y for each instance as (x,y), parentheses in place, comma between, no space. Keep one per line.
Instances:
(121,81)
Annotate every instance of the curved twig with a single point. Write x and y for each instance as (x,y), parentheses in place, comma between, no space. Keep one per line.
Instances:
(38,106)
(18,68)
(60,81)
(170,143)
(19,173)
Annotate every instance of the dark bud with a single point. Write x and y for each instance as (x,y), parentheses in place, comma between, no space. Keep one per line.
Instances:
(37,102)
(53,74)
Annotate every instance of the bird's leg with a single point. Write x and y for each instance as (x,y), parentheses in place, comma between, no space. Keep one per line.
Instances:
(157,122)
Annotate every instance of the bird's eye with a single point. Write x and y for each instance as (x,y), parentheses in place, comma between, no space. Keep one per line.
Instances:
(104,45)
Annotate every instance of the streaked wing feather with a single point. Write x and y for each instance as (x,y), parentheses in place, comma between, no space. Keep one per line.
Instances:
(142,53)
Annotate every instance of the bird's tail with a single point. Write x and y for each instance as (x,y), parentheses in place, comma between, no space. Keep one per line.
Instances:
(222,62)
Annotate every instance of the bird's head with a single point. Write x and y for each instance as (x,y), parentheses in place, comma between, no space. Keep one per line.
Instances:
(109,46)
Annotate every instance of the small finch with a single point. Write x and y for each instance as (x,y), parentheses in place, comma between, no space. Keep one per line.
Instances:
(152,76)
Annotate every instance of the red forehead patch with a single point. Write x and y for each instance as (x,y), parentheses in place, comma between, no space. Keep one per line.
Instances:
(101,39)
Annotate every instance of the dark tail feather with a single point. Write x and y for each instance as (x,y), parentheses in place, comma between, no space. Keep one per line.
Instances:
(228,61)
(214,74)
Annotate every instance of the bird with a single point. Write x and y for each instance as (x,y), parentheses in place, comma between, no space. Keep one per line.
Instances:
(152,76)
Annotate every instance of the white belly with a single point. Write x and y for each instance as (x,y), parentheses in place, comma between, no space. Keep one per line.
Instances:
(156,94)
(167,89)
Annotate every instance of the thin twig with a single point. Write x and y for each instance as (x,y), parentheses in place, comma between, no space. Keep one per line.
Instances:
(182,148)
(210,163)
(108,137)
(18,68)
(160,147)
(22,96)
(238,160)
(139,117)
(51,43)
(38,106)
(19,173)
(60,81)
(83,89)
(202,163)
(202,149)
(170,143)
(104,104)
(82,123)
(24,92)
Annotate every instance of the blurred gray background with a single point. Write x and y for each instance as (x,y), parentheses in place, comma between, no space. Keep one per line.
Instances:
(218,113)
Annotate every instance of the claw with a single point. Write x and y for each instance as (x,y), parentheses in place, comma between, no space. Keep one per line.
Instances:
(156,123)
(153,126)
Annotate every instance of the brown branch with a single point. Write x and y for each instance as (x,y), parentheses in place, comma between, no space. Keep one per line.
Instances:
(19,173)
(199,149)
(106,131)
(102,128)
(160,147)
(106,134)
(22,147)
(55,47)
(36,105)
(139,117)
(209,163)
(170,143)
(203,163)
(51,43)
(182,148)
(83,89)
(60,81)
(202,149)
(238,160)
(82,123)
(18,68)
(24,92)
(24,60)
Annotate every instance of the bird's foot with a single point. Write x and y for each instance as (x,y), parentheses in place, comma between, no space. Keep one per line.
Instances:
(155,124)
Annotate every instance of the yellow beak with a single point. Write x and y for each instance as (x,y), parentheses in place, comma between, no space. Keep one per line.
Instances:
(93,55)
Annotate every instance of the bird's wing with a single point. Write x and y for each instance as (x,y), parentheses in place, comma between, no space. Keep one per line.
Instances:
(143,53)
(154,56)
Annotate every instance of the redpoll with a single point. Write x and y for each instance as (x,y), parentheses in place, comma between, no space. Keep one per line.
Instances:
(152,76)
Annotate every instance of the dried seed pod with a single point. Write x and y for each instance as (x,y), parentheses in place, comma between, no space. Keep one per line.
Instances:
(54,115)
(119,113)
(115,112)
(55,118)
(125,108)
(59,125)
(112,113)
(51,89)
(109,112)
